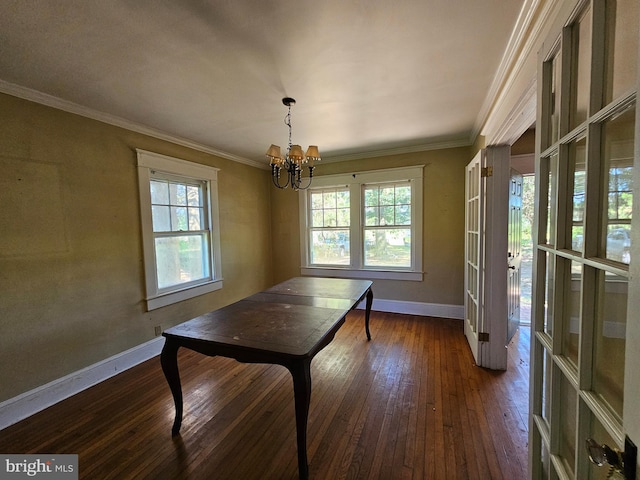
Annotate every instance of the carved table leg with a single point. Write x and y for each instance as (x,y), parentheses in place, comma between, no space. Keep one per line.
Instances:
(368,312)
(301,373)
(169,362)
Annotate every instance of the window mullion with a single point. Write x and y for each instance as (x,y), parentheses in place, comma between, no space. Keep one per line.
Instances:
(356,202)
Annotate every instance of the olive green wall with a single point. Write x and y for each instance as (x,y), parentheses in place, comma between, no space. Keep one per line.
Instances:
(71,271)
(443,226)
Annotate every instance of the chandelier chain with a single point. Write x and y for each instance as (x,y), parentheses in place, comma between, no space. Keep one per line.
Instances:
(287,122)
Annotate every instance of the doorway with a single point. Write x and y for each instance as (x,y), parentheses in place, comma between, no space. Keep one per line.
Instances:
(526,267)
(523,161)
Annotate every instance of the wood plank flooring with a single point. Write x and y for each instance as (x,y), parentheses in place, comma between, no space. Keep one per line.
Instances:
(410,404)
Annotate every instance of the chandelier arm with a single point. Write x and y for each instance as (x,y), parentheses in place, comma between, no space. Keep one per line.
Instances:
(275,178)
(277,184)
(310,178)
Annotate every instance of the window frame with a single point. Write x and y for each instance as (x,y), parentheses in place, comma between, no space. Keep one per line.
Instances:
(327,228)
(356,183)
(148,163)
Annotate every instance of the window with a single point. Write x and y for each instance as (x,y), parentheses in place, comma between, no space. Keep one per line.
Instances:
(179,211)
(367,224)
(330,221)
(387,219)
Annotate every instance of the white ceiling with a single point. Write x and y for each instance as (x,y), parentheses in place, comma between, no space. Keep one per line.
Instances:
(368,75)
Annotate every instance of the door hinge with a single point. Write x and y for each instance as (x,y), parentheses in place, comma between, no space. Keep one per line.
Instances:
(487,171)
(483,337)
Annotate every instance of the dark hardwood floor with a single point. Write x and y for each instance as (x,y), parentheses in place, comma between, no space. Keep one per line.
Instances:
(410,404)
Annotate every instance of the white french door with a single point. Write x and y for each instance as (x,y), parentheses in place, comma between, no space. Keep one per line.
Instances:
(586,334)
(487,214)
(474,255)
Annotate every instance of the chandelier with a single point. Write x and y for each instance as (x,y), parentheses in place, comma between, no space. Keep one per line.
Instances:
(293,160)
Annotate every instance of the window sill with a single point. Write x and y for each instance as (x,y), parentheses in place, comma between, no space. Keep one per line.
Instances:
(366,274)
(180,295)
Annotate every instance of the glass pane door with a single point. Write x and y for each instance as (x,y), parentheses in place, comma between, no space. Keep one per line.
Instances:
(586,138)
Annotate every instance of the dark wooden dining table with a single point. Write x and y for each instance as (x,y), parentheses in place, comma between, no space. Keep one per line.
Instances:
(287,325)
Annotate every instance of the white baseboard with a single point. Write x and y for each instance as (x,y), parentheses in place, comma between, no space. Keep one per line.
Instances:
(33,401)
(417,308)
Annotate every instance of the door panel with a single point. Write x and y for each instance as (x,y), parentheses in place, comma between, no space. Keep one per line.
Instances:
(585,334)
(474,215)
(487,194)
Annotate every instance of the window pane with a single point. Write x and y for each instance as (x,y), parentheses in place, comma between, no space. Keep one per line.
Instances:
(371,196)
(403,195)
(316,218)
(554,100)
(371,216)
(329,199)
(609,342)
(546,386)
(577,166)
(177,193)
(195,218)
(567,411)
(316,200)
(550,165)
(330,218)
(330,247)
(342,199)
(343,217)
(621,47)
(619,243)
(194,198)
(571,312)
(161,218)
(617,156)
(387,247)
(581,70)
(387,216)
(179,219)
(550,275)
(387,196)
(181,259)
(159,192)
(403,215)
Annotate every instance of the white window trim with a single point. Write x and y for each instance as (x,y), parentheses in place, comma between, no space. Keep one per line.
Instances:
(148,161)
(355,181)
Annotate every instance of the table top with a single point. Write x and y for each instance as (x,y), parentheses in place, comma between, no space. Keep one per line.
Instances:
(293,318)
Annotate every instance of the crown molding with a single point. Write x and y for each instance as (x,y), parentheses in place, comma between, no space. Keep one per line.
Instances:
(71,107)
(518,120)
(441,145)
(532,21)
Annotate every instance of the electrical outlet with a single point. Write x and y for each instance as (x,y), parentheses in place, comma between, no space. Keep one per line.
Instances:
(158,330)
